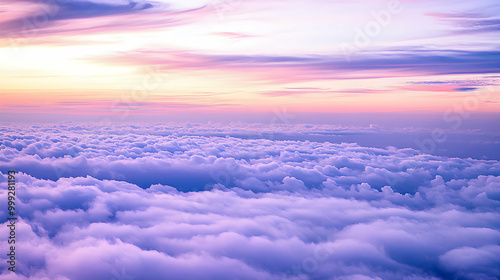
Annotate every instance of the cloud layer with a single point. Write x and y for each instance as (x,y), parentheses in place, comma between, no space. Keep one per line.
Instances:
(156,203)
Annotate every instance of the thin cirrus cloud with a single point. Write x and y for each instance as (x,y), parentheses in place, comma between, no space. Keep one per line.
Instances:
(346,92)
(407,62)
(470,22)
(61,17)
(449,85)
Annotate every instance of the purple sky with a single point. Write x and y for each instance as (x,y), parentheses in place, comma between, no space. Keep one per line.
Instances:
(75,59)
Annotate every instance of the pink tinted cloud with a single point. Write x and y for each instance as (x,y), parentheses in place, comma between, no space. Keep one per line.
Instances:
(58,19)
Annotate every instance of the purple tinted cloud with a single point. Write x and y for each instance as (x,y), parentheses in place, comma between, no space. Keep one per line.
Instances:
(215,207)
(407,61)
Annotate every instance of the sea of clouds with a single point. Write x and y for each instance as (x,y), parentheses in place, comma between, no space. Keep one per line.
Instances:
(187,201)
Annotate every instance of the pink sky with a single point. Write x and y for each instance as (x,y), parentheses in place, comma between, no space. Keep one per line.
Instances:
(160,57)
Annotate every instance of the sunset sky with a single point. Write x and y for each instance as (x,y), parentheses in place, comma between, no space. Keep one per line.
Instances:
(105,57)
(250,139)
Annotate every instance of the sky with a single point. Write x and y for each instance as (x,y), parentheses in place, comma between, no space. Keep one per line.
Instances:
(68,59)
(256,139)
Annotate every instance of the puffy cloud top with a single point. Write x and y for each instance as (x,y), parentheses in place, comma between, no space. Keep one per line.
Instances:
(157,202)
